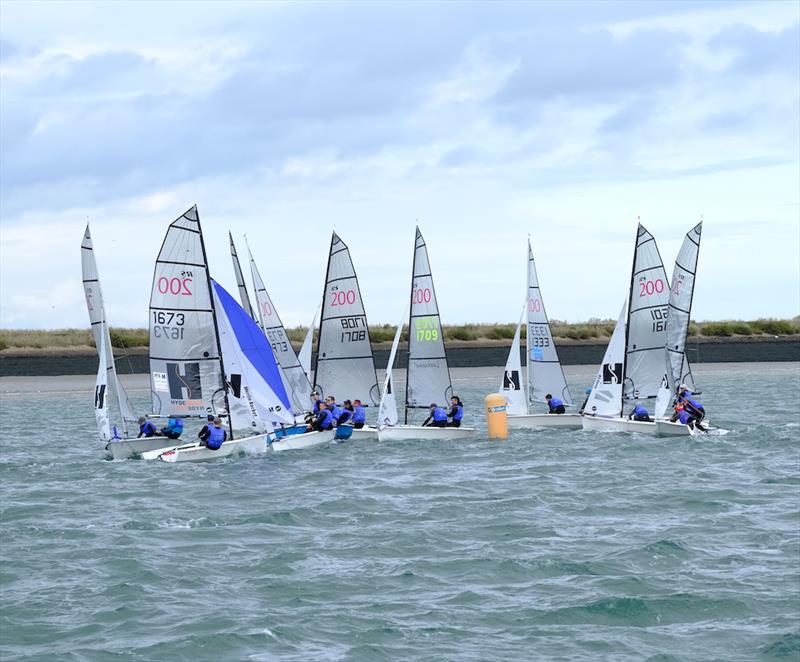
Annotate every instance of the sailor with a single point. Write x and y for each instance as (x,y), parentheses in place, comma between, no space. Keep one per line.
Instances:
(456,412)
(438,417)
(173,429)
(346,415)
(323,420)
(216,435)
(146,428)
(336,410)
(640,413)
(693,408)
(315,401)
(555,405)
(206,430)
(359,414)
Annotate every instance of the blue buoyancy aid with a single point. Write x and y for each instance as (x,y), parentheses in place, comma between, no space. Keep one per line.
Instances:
(175,425)
(315,408)
(147,429)
(684,417)
(359,415)
(215,437)
(639,410)
(325,419)
(344,416)
(439,414)
(336,411)
(555,402)
(457,412)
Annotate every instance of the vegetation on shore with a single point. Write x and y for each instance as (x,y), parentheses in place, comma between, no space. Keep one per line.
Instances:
(592,330)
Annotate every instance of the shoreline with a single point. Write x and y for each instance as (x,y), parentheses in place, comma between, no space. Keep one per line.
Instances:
(53,362)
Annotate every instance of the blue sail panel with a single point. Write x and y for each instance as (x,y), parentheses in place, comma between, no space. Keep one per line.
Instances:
(253,344)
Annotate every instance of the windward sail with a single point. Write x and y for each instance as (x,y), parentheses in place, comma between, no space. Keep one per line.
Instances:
(428,378)
(545,374)
(185,370)
(256,395)
(298,386)
(647,321)
(345,366)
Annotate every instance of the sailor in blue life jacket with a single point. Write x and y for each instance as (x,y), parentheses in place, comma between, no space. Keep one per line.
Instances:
(692,408)
(216,435)
(555,406)
(438,417)
(206,429)
(456,412)
(323,420)
(315,402)
(173,429)
(146,428)
(346,415)
(359,414)
(336,410)
(640,413)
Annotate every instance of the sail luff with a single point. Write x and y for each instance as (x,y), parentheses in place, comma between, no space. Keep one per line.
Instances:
(237,270)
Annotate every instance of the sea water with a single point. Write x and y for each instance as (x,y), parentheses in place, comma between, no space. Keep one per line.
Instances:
(550,545)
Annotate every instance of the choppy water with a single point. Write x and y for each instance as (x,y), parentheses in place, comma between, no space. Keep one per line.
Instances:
(547,546)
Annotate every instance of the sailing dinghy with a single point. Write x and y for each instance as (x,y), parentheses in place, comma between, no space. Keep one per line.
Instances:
(633,365)
(428,375)
(107,381)
(544,372)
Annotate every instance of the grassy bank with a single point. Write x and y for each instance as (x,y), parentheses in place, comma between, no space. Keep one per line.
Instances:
(79,339)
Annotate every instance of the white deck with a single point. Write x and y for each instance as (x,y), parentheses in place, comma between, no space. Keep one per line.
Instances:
(545,421)
(418,432)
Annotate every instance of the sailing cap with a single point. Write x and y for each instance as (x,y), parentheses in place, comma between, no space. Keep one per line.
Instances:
(210,417)
(433,404)
(683,387)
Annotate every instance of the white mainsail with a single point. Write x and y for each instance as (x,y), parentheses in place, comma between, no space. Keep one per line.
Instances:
(606,396)
(185,361)
(545,374)
(680,310)
(102,340)
(304,357)
(237,270)
(345,366)
(297,383)
(511,384)
(647,320)
(428,378)
(387,411)
(256,395)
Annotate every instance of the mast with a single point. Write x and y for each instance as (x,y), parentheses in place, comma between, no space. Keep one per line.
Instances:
(628,314)
(410,307)
(216,325)
(322,308)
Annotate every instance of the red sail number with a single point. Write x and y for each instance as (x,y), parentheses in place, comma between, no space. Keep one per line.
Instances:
(421,295)
(651,286)
(176,286)
(343,297)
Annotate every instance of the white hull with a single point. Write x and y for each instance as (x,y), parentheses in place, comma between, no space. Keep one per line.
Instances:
(367,432)
(670,429)
(408,432)
(198,453)
(617,425)
(123,449)
(298,441)
(545,421)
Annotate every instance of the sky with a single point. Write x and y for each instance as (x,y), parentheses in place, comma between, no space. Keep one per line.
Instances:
(483,123)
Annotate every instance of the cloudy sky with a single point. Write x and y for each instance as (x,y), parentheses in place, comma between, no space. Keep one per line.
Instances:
(483,123)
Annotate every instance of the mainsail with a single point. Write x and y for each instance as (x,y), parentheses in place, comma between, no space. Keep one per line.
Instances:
(345,366)
(545,374)
(428,378)
(256,394)
(511,385)
(299,387)
(107,373)
(387,411)
(647,320)
(606,396)
(680,310)
(237,270)
(185,360)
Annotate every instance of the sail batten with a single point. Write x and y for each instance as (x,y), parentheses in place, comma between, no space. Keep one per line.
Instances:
(345,367)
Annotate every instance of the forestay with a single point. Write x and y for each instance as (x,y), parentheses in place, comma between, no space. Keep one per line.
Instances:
(428,378)
(647,320)
(680,310)
(345,366)
(185,371)
(387,412)
(106,374)
(237,270)
(545,374)
(299,388)
(511,385)
(256,395)
(606,396)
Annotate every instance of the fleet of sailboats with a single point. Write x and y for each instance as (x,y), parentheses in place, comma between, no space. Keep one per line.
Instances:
(212,355)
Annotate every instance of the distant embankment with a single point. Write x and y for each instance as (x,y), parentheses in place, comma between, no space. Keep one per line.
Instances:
(53,362)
